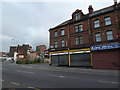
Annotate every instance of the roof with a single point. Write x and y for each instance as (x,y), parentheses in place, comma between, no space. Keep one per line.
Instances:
(95,13)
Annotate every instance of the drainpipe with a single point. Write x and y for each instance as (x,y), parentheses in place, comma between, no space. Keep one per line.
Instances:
(68,44)
(90,40)
(117,19)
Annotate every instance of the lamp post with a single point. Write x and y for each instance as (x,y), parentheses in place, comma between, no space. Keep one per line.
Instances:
(16,52)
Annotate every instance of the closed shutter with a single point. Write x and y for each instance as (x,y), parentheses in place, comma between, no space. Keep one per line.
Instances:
(82,59)
(63,60)
(54,60)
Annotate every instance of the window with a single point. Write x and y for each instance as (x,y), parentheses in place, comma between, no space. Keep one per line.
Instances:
(55,34)
(62,32)
(109,35)
(98,37)
(96,23)
(77,16)
(107,21)
(62,43)
(79,28)
(78,40)
(55,44)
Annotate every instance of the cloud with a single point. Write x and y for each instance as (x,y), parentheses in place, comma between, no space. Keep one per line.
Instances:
(29,22)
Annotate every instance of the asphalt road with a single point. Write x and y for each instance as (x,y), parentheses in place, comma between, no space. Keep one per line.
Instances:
(44,76)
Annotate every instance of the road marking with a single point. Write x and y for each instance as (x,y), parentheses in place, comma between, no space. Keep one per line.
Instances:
(15,83)
(25,72)
(61,76)
(2,80)
(33,88)
(4,69)
(108,82)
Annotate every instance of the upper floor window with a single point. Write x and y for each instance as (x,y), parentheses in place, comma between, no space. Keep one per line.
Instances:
(96,23)
(77,16)
(78,40)
(109,35)
(62,43)
(98,37)
(107,21)
(62,32)
(79,28)
(55,44)
(55,34)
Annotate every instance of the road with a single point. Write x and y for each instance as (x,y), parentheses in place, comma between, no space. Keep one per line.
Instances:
(44,76)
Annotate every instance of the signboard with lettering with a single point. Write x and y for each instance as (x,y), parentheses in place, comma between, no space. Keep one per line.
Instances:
(106,46)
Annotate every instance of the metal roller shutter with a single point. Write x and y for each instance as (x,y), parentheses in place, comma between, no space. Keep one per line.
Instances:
(63,60)
(54,60)
(82,59)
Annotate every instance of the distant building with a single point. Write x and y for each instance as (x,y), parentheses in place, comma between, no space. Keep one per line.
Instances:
(41,48)
(4,54)
(23,51)
(12,50)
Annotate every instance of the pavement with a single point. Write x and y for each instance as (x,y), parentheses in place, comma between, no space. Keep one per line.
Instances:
(38,76)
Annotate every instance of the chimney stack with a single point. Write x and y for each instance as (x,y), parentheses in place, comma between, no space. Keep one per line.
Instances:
(90,9)
(115,2)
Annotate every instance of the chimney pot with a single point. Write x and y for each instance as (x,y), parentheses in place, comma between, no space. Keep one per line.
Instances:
(90,9)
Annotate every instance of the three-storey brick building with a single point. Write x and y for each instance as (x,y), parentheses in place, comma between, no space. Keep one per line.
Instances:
(91,39)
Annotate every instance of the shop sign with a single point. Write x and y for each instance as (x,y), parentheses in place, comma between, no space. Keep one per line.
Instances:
(107,46)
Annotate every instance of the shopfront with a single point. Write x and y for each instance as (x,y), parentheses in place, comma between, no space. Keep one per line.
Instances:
(106,56)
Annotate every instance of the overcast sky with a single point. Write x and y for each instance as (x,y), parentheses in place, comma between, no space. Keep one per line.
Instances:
(29,22)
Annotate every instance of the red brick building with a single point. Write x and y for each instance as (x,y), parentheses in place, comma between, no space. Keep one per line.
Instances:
(23,51)
(41,49)
(91,39)
(12,50)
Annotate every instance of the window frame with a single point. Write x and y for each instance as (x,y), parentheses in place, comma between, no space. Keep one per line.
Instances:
(78,28)
(62,32)
(109,20)
(78,40)
(77,16)
(109,35)
(63,43)
(96,37)
(55,34)
(96,24)
(55,44)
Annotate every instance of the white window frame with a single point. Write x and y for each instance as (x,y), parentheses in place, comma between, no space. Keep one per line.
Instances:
(98,37)
(55,44)
(55,34)
(79,40)
(79,28)
(96,23)
(77,16)
(62,32)
(109,35)
(62,43)
(107,20)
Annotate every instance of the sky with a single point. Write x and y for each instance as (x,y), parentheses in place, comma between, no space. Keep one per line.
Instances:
(28,21)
